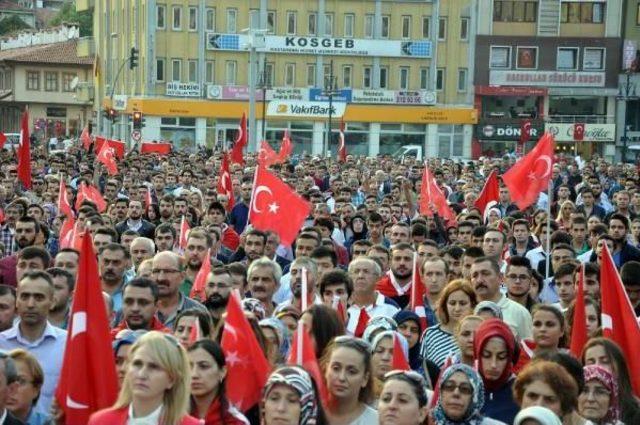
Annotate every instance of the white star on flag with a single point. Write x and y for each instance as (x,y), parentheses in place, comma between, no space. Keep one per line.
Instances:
(273,208)
(233,358)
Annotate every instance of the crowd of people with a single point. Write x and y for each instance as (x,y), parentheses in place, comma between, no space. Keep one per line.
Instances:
(489,348)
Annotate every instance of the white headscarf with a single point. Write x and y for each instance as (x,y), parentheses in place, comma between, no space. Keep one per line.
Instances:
(540,414)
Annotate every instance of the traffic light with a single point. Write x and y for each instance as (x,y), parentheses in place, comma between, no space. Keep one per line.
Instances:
(133,58)
(137,120)
(110,114)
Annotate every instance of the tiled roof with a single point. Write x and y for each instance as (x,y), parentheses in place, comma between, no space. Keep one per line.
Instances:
(56,53)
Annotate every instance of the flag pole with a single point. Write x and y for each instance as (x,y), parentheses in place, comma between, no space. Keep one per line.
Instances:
(305,291)
(300,342)
(548,244)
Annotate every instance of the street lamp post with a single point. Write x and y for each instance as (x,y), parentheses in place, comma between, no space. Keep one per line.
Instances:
(626,93)
(330,90)
(264,86)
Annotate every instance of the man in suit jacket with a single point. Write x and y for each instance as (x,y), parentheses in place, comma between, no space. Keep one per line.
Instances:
(8,384)
(135,221)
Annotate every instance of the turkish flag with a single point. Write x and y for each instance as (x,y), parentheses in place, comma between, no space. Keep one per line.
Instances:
(490,193)
(303,355)
(240,142)
(340,309)
(24,152)
(247,367)
(267,156)
(85,138)
(162,148)
(530,176)
(197,289)
(619,322)
(225,186)
(342,147)
(578,131)
(195,334)
(431,195)
(184,232)
(88,379)
(67,230)
(90,193)
(106,156)
(579,334)
(275,206)
(525,131)
(418,292)
(148,199)
(286,148)
(117,145)
(398,360)
(3,139)
(64,206)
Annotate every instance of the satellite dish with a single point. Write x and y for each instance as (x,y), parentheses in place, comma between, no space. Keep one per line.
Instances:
(74,83)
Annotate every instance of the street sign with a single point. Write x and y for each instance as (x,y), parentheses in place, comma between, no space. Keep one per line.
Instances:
(136,135)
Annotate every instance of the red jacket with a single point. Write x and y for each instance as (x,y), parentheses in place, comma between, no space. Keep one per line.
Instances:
(121,416)
(155,325)
(230,238)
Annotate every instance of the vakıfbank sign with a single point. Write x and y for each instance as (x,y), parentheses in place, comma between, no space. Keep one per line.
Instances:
(297,45)
(288,108)
(592,132)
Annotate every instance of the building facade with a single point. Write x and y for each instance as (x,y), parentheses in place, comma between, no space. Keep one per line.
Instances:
(548,65)
(194,78)
(44,75)
(628,109)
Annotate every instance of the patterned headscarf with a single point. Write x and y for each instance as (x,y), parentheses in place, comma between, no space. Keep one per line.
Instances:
(472,416)
(377,324)
(284,342)
(252,305)
(607,379)
(384,334)
(299,380)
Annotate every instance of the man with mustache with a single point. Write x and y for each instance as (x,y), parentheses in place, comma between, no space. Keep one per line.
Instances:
(198,244)
(139,307)
(263,278)
(27,228)
(113,261)
(217,290)
(297,270)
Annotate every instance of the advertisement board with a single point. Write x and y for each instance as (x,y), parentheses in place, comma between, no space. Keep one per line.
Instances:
(289,108)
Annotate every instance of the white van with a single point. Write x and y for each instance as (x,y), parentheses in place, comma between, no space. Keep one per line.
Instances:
(409,150)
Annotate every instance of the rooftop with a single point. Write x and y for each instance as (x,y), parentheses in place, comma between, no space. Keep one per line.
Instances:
(63,53)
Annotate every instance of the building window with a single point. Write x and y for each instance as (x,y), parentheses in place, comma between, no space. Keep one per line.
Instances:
(347,71)
(527,58)
(582,13)
(176,70)
(161,14)
(515,11)
(462,79)
(328,24)
(50,81)
(500,57)
(384,77)
(368,26)
(268,70)
(33,80)
(312,26)
(593,59)
(230,73)
(406,27)
(384,27)
(292,22)
(404,78)
(67,79)
(209,72)
(232,14)
(211,19)
(254,18)
(271,22)
(193,19)
(290,74)
(442,29)
(159,69)
(440,79)
(349,24)
(464,29)
(424,78)
(176,23)
(366,77)
(192,67)
(426,27)
(567,58)
(311,74)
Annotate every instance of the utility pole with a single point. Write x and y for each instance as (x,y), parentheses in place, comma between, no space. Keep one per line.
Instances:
(626,93)
(256,41)
(330,90)
(265,85)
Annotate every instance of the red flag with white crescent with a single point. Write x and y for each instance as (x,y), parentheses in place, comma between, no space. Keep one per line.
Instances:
(342,147)
(225,186)
(239,144)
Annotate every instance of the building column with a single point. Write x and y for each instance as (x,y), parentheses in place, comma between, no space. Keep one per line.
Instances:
(317,142)
(374,139)
(468,137)
(151,129)
(201,132)
(431,141)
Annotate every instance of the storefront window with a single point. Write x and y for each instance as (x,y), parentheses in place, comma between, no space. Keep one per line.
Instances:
(301,134)
(450,141)
(180,131)
(394,136)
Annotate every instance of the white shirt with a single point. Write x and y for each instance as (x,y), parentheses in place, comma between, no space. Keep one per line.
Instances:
(379,308)
(152,418)
(517,317)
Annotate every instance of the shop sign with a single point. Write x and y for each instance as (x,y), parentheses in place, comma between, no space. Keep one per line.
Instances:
(419,97)
(219,92)
(120,102)
(510,91)
(547,78)
(175,88)
(563,132)
(288,108)
(507,131)
(317,95)
(330,46)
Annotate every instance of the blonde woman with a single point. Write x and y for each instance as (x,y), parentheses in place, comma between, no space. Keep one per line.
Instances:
(564,215)
(156,386)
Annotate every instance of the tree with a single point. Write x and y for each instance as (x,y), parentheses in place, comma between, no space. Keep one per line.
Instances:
(69,14)
(11,24)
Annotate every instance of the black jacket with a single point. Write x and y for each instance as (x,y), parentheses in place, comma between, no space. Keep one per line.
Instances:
(147,230)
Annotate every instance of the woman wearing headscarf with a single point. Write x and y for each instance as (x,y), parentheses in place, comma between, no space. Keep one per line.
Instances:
(278,339)
(495,350)
(598,401)
(537,415)
(409,326)
(290,396)
(461,398)
(358,227)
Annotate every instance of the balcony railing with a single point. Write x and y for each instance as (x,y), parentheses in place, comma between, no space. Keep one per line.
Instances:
(587,119)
